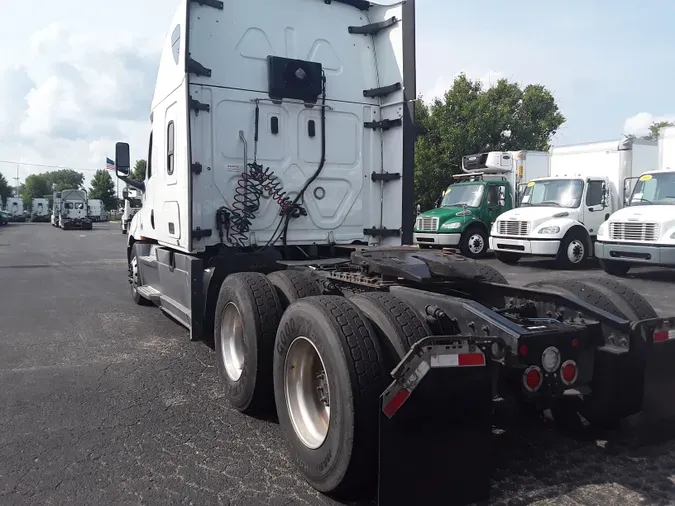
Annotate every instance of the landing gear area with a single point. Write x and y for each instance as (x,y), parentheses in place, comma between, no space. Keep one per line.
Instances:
(402,356)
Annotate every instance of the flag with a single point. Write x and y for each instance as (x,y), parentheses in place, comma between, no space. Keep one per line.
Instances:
(109,164)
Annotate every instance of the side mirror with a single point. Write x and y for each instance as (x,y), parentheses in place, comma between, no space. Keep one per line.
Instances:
(122,160)
(605,195)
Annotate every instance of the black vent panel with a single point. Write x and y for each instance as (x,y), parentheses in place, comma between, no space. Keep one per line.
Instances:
(295,79)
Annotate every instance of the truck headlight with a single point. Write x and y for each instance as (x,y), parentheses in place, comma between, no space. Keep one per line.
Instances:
(549,230)
(451,226)
(602,231)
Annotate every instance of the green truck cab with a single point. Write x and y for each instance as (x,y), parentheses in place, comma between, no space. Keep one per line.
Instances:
(464,216)
(489,185)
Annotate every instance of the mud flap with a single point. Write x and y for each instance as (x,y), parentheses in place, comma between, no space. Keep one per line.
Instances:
(435,427)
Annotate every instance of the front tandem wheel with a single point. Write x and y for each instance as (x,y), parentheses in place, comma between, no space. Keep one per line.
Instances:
(329,372)
(134,279)
(293,285)
(246,319)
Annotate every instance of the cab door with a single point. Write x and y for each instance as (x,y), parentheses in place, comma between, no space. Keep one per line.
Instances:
(496,202)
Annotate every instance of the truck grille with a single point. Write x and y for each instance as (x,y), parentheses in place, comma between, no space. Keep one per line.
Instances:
(426,224)
(513,227)
(622,231)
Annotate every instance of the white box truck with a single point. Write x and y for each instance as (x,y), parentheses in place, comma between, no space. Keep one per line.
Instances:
(277,221)
(40,210)
(96,210)
(644,232)
(559,215)
(490,184)
(14,207)
(132,204)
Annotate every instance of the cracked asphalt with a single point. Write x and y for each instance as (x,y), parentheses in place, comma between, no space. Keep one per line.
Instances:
(106,402)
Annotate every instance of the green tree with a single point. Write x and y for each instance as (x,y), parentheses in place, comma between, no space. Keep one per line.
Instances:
(35,186)
(65,179)
(138,172)
(5,190)
(655,129)
(470,119)
(103,187)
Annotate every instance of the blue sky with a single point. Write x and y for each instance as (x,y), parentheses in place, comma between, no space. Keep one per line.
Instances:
(64,88)
(605,62)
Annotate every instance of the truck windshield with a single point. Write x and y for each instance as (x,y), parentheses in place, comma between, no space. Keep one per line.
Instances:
(654,189)
(135,203)
(469,195)
(553,192)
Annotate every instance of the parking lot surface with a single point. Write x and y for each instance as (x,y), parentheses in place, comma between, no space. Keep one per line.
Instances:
(106,402)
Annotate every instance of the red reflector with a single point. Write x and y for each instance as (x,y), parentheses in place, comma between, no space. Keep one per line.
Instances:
(523,350)
(568,372)
(533,378)
(661,335)
(396,402)
(575,343)
(471,359)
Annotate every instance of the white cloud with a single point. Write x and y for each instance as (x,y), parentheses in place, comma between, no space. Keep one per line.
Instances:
(443,84)
(75,95)
(639,124)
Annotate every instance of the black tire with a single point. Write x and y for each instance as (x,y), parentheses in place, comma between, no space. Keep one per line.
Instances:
(508,258)
(615,268)
(345,464)
(471,240)
(292,286)
(573,252)
(256,301)
(133,285)
(397,323)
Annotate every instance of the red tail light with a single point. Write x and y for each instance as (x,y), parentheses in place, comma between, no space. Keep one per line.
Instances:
(532,378)
(569,372)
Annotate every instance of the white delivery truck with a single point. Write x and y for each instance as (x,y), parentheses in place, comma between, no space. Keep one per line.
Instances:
(40,210)
(14,207)
(132,204)
(74,213)
(559,215)
(96,210)
(644,232)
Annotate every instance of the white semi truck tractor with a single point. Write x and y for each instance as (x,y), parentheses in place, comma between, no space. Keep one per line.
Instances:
(277,221)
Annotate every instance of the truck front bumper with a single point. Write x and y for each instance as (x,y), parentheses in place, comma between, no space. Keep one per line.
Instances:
(636,253)
(424,238)
(524,246)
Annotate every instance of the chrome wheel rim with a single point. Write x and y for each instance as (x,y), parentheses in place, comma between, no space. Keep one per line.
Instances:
(575,251)
(476,244)
(232,342)
(134,274)
(307,392)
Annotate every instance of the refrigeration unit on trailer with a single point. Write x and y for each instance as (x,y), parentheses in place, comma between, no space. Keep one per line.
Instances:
(277,207)
(559,215)
(644,232)
(56,209)
(74,213)
(14,207)
(486,188)
(40,210)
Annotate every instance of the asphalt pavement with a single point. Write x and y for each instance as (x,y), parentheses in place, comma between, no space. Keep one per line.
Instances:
(106,402)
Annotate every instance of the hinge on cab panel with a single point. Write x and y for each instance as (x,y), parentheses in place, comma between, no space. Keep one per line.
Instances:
(383,91)
(373,28)
(197,105)
(382,232)
(196,168)
(362,5)
(385,176)
(194,67)
(199,233)
(216,4)
(385,124)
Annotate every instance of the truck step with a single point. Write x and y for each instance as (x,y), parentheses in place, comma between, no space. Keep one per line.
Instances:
(149,292)
(148,259)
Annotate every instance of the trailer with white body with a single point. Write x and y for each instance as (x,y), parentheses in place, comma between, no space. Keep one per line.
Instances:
(40,210)
(14,207)
(74,213)
(132,204)
(277,197)
(559,216)
(644,232)
(96,210)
